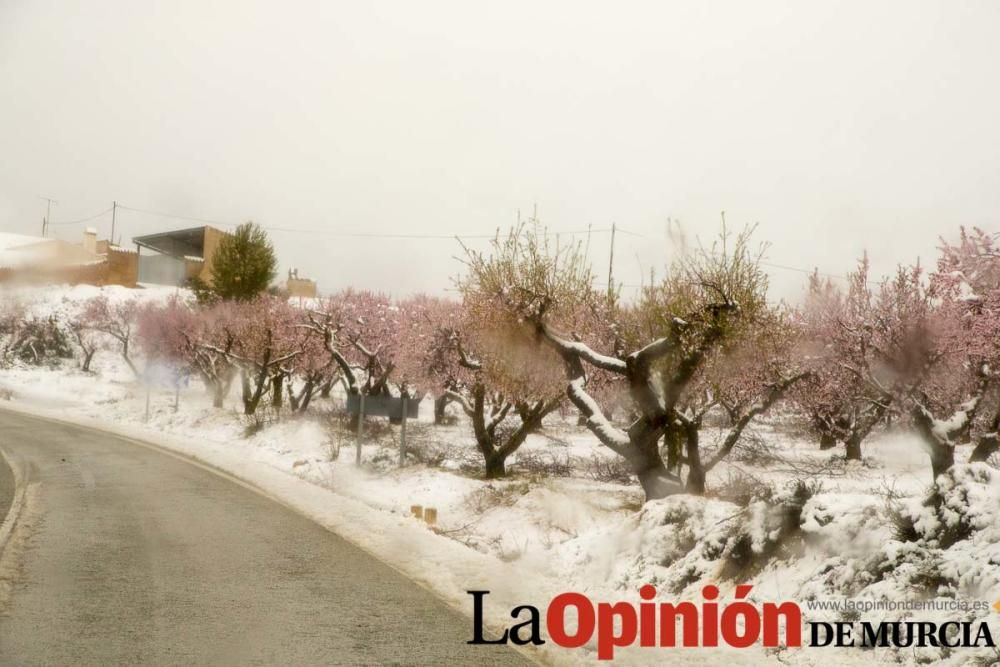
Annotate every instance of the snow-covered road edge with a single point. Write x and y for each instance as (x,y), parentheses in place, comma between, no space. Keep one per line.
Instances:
(9,519)
(440,565)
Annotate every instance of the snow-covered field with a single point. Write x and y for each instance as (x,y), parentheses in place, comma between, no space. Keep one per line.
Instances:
(795,522)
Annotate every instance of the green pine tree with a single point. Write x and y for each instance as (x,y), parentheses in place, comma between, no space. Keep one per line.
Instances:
(244,263)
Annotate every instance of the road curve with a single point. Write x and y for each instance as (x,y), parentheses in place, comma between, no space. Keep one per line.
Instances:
(126,555)
(6,491)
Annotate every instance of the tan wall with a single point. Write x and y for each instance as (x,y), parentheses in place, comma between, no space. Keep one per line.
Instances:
(301,287)
(123,268)
(90,274)
(211,242)
(52,255)
(193,268)
(62,262)
(120,269)
(90,242)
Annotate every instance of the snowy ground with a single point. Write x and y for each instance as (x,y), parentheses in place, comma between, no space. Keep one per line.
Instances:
(563,522)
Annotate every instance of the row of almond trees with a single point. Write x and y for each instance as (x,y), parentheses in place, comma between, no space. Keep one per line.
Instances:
(533,331)
(923,347)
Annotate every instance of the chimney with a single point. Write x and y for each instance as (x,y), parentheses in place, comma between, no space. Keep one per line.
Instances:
(90,240)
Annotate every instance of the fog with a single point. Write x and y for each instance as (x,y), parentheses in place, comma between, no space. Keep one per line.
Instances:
(835,126)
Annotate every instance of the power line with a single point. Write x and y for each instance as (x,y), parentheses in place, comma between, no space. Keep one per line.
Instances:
(338,234)
(401,236)
(771,265)
(81,220)
(176,217)
(49,201)
(621,230)
(806,271)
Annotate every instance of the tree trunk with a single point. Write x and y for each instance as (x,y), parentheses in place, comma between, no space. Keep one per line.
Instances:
(656,482)
(647,464)
(987,446)
(277,384)
(324,392)
(852,448)
(496,467)
(306,396)
(246,392)
(695,483)
(827,441)
(128,360)
(672,442)
(440,403)
(696,471)
(218,393)
(942,453)
(252,395)
(989,443)
(87,357)
(942,459)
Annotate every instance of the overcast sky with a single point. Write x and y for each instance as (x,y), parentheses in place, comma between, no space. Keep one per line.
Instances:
(836,126)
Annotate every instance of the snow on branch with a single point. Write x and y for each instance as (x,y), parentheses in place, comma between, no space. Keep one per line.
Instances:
(584,352)
(609,435)
(461,399)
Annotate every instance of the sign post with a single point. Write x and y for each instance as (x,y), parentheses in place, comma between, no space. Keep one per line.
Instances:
(382,406)
(402,435)
(163,376)
(180,378)
(361,429)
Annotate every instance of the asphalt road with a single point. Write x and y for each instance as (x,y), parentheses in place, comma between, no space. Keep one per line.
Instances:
(6,488)
(125,555)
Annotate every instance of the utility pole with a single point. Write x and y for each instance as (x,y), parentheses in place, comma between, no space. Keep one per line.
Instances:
(48,213)
(611,267)
(114,210)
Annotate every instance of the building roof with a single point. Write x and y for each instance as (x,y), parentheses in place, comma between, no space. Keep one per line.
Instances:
(20,252)
(178,243)
(8,241)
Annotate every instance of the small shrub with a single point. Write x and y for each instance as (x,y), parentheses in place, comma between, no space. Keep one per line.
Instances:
(615,470)
(740,557)
(904,526)
(384,460)
(36,341)
(423,449)
(929,577)
(770,530)
(799,493)
(542,463)
(491,495)
(962,501)
(262,417)
(753,450)
(742,489)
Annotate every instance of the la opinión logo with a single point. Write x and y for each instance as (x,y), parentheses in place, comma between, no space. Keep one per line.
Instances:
(739,624)
(652,624)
